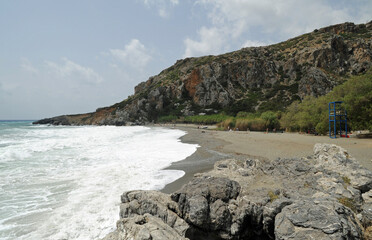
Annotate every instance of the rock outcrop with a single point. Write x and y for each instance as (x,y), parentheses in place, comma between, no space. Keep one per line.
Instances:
(324,196)
(251,79)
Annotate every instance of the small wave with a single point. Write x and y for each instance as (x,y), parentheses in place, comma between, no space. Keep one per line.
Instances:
(58,176)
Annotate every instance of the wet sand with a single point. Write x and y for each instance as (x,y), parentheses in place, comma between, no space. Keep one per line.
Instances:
(218,145)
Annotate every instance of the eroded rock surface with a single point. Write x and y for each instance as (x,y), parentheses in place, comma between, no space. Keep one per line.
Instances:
(324,196)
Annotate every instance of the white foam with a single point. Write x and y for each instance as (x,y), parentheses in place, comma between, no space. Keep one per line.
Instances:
(74,177)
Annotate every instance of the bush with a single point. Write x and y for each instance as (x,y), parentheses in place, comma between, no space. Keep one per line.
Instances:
(207,119)
(242,124)
(271,119)
(257,124)
(169,118)
(312,113)
(227,124)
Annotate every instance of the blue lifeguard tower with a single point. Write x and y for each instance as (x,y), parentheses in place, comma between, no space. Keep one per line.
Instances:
(337,120)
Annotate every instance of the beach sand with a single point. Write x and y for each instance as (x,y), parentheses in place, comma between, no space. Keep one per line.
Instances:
(218,145)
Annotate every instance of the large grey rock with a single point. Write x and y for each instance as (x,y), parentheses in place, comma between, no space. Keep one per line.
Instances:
(145,227)
(336,159)
(157,204)
(204,203)
(316,219)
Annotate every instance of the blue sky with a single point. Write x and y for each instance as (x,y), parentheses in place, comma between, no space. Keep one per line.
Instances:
(66,57)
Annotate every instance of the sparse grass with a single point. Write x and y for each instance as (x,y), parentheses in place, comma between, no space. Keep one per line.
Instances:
(346,180)
(272,196)
(172,76)
(310,37)
(226,124)
(203,60)
(368,233)
(348,202)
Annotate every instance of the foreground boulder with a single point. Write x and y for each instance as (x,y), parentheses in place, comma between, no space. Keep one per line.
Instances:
(316,219)
(324,196)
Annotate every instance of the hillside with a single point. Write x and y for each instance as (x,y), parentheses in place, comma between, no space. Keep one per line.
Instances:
(255,79)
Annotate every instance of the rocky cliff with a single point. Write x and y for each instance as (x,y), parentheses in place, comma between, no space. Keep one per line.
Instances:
(251,79)
(324,196)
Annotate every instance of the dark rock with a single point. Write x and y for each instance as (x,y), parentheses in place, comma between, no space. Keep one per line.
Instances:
(60,120)
(204,203)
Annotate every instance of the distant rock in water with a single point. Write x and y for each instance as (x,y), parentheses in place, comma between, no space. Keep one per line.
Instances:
(251,79)
(324,196)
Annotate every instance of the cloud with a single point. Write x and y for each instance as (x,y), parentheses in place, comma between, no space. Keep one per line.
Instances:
(27,66)
(250,43)
(134,54)
(71,70)
(8,87)
(241,22)
(163,6)
(211,42)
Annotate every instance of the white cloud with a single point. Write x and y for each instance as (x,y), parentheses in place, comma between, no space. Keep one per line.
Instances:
(74,71)
(211,42)
(250,43)
(27,66)
(163,6)
(134,54)
(265,21)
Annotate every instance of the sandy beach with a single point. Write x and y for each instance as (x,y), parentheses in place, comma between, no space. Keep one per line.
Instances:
(218,145)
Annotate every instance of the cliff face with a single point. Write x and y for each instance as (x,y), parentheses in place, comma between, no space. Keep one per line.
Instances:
(251,79)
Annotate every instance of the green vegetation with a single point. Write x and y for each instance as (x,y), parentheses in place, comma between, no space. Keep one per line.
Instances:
(289,43)
(272,196)
(348,202)
(206,119)
(347,181)
(168,118)
(172,76)
(203,60)
(246,104)
(312,113)
(256,122)
(362,33)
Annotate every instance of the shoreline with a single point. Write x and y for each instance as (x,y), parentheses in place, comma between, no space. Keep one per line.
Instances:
(219,145)
(202,160)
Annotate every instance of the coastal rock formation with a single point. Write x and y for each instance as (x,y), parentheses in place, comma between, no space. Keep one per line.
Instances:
(250,79)
(324,196)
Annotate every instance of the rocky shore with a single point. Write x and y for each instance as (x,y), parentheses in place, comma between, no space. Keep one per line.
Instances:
(324,196)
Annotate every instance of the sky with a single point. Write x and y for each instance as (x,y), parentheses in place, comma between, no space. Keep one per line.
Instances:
(68,57)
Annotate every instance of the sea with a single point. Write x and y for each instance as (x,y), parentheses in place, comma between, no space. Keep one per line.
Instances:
(65,182)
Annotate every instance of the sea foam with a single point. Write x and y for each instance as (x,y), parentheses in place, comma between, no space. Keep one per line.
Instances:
(66,182)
